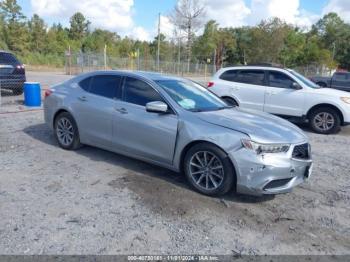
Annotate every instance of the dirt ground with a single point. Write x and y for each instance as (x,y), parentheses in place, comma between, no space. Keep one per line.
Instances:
(95,202)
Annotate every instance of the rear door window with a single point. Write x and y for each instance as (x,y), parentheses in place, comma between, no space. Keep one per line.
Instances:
(229,75)
(139,92)
(253,77)
(85,84)
(340,76)
(280,80)
(8,59)
(106,85)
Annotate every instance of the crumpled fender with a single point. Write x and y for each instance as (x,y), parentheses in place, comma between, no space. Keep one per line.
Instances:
(188,134)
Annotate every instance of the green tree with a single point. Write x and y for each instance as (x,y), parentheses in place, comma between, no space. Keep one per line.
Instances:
(292,54)
(57,40)
(215,40)
(79,26)
(243,38)
(15,30)
(225,44)
(165,51)
(267,41)
(206,44)
(334,35)
(38,36)
(3,44)
(96,41)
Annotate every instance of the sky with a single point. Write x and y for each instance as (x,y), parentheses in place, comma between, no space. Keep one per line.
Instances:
(139,18)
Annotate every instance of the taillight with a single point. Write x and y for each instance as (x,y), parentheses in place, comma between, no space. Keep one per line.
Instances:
(47,93)
(210,84)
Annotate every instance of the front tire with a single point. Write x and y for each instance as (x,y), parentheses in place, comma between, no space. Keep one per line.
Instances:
(209,170)
(325,121)
(66,132)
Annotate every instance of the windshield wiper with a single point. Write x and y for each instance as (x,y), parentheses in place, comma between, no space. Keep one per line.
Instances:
(210,109)
(196,110)
(225,107)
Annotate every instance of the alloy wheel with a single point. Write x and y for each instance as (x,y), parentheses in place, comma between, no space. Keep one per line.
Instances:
(65,131)
(324,121)
(206,170)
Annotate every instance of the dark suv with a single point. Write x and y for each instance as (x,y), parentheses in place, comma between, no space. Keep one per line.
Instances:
(12,73)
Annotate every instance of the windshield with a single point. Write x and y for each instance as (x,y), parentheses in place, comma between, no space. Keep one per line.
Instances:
(192,96)
(303,79)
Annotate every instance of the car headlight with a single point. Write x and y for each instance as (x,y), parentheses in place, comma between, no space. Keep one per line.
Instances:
(345,99)
(265,148)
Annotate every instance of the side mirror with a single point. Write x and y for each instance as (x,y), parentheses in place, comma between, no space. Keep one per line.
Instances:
(296,86)
(157,107)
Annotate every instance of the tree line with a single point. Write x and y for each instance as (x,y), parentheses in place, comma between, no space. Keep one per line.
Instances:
(272,41)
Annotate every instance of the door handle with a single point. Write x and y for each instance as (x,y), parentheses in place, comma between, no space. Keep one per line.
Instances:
(82,98)
(121,110)
(271,93)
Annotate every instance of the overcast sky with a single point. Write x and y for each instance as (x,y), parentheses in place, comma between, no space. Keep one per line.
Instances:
(138,18)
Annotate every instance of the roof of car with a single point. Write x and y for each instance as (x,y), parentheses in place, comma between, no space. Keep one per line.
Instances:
(253,67)
(4,51)
(154,76)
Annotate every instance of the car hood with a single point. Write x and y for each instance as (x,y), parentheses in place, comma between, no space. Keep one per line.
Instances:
(260,126)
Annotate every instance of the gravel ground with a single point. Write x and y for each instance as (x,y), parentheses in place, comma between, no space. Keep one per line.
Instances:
(96,202)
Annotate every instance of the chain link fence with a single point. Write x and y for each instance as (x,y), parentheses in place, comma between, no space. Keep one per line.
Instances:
(12,72)
(77,63)
(315,70)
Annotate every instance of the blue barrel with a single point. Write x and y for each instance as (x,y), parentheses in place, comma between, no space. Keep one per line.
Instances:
(32,94)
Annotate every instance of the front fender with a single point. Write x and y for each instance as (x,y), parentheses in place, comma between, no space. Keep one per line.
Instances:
(344,109)
(189,134)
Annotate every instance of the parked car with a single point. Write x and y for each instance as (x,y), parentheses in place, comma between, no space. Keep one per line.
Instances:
(339,80)
(12,73)
(180,125)
(285,93)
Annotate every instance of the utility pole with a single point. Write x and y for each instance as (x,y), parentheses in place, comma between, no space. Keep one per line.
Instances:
(179,57)
(70,61)
(158,51)
(105,57)
(214,61)
(138,58)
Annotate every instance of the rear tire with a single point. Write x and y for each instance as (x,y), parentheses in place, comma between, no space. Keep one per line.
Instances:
(230,101)
(209,170)
(325,120)
(66,132)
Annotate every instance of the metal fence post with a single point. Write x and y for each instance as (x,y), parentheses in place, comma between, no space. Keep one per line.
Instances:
(70,61)
(105,57)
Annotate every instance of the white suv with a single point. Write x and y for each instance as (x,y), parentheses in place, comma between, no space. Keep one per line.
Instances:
(285,93)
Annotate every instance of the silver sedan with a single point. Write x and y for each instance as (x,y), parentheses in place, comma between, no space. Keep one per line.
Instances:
(178,124)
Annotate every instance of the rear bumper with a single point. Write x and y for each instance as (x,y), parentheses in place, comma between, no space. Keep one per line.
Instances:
(12,82)
(269,174)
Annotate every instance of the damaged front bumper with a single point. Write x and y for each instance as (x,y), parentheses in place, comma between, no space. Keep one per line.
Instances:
(274,173)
